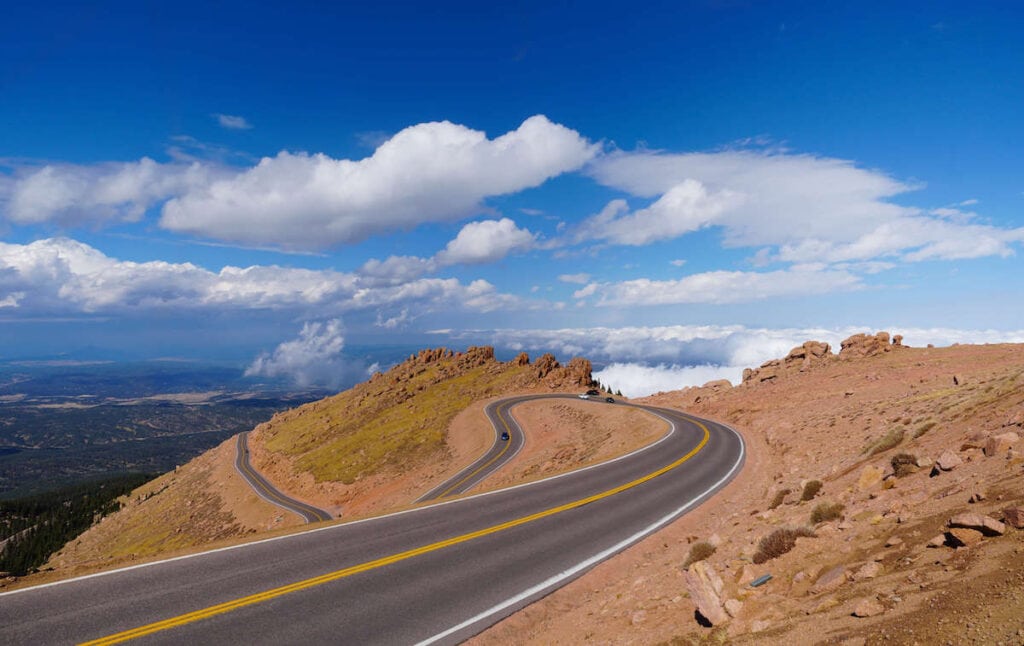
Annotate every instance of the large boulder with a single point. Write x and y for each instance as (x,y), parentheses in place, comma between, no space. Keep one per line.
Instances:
(948,461)
(705,588)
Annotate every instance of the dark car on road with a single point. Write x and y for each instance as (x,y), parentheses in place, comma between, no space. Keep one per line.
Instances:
(504,435)
(610,400)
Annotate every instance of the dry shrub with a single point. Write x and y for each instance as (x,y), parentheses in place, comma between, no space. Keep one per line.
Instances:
(924,428)
(780,497)
(891,440)
(826,511)
(903,464)
(778,543)
(698,552)
(811,490)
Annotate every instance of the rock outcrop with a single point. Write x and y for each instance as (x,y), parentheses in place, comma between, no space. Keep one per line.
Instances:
(801,358)
(867,345)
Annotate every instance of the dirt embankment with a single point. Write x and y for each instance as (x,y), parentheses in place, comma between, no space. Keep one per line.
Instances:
(881,566)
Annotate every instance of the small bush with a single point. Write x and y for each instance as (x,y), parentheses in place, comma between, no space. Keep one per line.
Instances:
(698,552)
(811,490)
(903,464)
(826,511)
(780,497)
(778,543)
(891,440)
(924,428)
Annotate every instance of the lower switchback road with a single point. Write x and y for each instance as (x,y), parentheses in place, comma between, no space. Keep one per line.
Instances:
(434,574)
(269,492)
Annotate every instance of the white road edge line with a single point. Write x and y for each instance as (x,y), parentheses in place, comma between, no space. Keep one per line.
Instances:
(593,560)
(340,525)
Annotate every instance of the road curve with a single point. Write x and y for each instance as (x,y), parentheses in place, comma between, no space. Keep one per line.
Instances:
(434,574)
(269,492)
(497,456)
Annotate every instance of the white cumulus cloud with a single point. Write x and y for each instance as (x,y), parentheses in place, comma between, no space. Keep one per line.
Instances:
(72,194)
(485,241)
(425,173)
(315,358)
(814,209)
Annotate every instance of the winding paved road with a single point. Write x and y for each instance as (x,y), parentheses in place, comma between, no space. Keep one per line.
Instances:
(434,574)
(269,492)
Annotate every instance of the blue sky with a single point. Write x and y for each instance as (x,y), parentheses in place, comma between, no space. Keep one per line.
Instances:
(703,182)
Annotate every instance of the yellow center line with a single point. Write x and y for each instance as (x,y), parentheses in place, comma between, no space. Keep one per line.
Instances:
(266,595)
(489,462)
(285,502)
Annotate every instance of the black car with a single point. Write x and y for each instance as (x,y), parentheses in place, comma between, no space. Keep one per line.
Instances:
(610,400)
(593,393)
(504,435)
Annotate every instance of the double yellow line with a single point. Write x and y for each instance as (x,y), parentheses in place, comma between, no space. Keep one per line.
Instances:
(508,430)
(260,597)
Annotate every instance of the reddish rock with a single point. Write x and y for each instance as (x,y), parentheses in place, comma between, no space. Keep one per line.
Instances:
(870,476)
(705,590)
(937,541)
(522,359)
(866,345)
(830,580)
(961,537)
(1001,443)
(984,524)
(868,608)
(1014,517)
(948,461)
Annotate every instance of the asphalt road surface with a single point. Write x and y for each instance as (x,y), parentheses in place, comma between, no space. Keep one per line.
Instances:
(269,492)
(435,574)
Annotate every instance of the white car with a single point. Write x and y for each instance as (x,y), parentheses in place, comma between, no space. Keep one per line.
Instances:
(584,396)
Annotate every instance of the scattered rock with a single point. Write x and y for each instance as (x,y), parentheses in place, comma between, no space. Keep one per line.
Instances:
(957,380)
(869,477)
(1014,517)
(937,541)
(760,625)
(961,537)
(949,460)
(715,540)
(868,608)
(868,571)
(984,524)
(1001,443)
(733,607)
(830,580)
(705,588)
(976,497)
(923,462)
(894,541)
